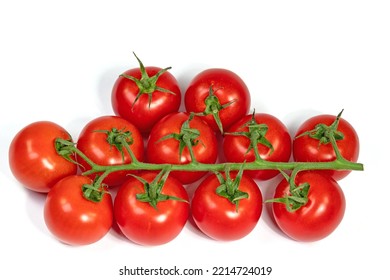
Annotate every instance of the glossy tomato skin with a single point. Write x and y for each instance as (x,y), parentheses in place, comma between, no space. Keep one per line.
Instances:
(227,86)
(145,225)
(33,158)
(71,218)
(308,149)
(217,217)
(235,148)
(141,114)
(167,151)
(93,143)
(319,217)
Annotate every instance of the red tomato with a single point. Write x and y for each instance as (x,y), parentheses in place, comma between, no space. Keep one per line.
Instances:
(308,149)
(228,87)
(142,223)
(161,150)
(319,217)
(219,218)
(236,148)
(155,102)
(71,218)
(33,158)
(101,149)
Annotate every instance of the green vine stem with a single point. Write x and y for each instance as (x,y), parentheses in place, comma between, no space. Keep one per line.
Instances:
(338,164)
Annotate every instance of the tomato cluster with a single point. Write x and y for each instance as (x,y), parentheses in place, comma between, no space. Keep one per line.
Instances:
(133,168)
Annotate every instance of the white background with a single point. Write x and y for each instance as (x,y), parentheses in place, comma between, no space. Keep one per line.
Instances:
(59,60)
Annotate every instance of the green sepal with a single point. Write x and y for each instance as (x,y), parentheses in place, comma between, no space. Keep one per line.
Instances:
(152,194)
(147,85)
(213,106)
(94,192)
(188,137)
(298,196)
(65,148)
(323,132)
(118,138)
(256,134)
(228,188)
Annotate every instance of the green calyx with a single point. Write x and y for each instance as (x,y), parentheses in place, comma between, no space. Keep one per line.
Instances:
(147,85)
(213,106)
(256,134)
(94,192)
(152,194)
(298,196)
(188,137)
(65,148)
(324,133)
(119,139)
(229,187)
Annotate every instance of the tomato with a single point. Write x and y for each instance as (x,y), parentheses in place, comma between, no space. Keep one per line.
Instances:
(98,143)
(232,95)
(162,149)
(144,224)
(73,219)
(273,145)
(219,218)
(308,149)
(321,215)
(33,158)
(157,97)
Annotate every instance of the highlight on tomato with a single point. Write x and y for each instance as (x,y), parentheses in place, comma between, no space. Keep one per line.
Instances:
(110,141)
(71,217)
(144,95)
(227,206)
(151,209)
(310,210)
(33,158)
(219,96)
(258,136)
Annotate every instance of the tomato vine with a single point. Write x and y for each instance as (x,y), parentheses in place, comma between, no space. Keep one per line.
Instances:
(187,138)
(152,205)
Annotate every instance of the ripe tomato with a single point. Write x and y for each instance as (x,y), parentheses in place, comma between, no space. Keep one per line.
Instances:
(219,218)
(98,143)
(33,158)
(140,222)
(230,90)
(160,150)
(308,149)
(237,148)
(159,97)
(319,217)
(73,219)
